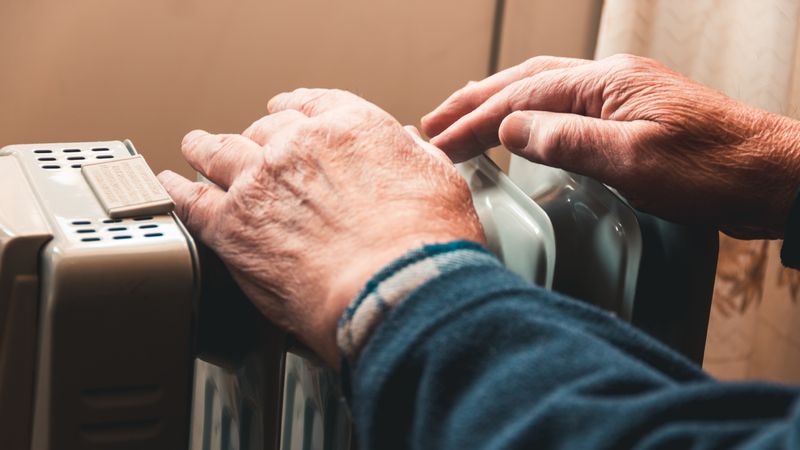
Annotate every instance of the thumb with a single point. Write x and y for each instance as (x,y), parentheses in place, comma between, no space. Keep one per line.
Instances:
(601,149)
(196,204)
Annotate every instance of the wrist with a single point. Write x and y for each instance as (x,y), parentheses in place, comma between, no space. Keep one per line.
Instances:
(781,140)
(350,280)
(396,283)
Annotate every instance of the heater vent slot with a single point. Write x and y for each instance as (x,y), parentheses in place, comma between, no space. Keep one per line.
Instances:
(121,396)
(134,229)
(111,432)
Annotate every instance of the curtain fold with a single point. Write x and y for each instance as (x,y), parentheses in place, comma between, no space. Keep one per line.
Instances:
(749,50)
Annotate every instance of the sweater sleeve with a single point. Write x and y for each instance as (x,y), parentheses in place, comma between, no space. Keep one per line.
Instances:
(447,349)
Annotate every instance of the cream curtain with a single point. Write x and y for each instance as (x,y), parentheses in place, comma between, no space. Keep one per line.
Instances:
(749,50)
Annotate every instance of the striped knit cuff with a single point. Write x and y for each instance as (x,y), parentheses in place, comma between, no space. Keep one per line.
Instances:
(395,283)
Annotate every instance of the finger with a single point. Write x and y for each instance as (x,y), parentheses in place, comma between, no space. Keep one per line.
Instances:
(220,157)
(427,146)
(313,102)
(474,93)
(601,149)
(264,128)
(196,204)
(558,90)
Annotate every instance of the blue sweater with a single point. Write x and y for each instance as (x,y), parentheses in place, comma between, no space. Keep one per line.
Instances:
(446,349)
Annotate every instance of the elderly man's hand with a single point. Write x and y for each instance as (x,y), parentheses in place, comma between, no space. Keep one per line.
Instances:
(672,146)
(313,199)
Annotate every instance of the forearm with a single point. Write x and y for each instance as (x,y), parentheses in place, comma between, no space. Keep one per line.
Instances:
(477,358)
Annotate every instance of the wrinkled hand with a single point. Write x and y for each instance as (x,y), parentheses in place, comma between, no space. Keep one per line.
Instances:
(313,199)
(673,147)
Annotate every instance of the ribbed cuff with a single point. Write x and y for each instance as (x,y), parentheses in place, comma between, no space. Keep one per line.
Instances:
(395,283)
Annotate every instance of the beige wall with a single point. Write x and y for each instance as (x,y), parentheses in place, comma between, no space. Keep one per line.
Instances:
(546,27)
(151,71)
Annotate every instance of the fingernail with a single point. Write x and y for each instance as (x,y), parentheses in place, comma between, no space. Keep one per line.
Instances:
(275,101)
(515,131)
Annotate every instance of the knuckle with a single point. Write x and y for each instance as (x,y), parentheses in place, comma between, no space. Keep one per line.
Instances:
(367,114)
(343,95)
(255,129)
(522,88)
(227,142)
(277,101)
(625,73)
(478,135)
(193,209)
(214,164)
(311,99)
(305,130)
(301,92)
(284,116)
(547,144)
(626,61)
(622,58)
(260,121)
(518,94)
(363,110)
(546,148)
(297,139)
(244,210)
(264,127)
(535,63)
(468,90)
(464,99)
